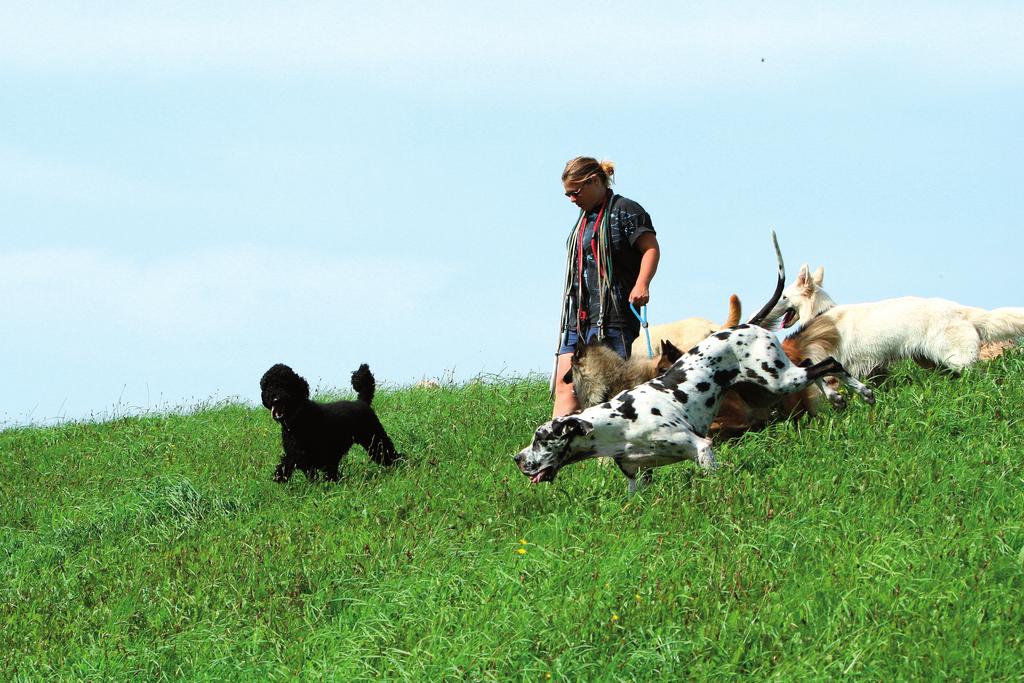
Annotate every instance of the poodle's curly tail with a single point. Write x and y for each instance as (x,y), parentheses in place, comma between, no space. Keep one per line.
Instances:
(364,383)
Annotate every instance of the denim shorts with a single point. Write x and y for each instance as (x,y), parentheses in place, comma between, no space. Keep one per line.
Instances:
(620,340)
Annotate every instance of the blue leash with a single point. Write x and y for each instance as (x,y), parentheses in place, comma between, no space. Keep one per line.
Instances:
(643,323)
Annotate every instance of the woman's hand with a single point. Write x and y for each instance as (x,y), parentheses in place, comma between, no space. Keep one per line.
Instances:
(640,295)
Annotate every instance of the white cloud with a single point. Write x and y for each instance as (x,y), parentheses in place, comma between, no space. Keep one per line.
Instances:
(205,294)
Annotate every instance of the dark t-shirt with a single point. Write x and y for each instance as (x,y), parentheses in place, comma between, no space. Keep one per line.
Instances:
(627,220)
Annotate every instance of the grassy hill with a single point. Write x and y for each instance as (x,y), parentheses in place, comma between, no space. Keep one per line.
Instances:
(882,543)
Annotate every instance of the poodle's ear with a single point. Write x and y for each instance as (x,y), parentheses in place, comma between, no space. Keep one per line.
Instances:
(296,384)
(301,381)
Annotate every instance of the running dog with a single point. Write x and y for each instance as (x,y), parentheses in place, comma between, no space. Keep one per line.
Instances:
(867,338)
(598,372)
(667,419)
(314,435)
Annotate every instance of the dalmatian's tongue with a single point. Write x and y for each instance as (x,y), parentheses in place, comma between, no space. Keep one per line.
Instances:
(539,477)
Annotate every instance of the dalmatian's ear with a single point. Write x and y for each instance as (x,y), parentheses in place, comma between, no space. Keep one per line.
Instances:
(570,425)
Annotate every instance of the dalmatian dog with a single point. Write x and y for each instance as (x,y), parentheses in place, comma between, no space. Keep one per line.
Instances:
(666,419)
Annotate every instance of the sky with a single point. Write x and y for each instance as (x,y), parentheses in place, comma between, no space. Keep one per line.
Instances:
(193,191)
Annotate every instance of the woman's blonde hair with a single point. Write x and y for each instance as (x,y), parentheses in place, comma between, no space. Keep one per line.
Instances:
(581,169)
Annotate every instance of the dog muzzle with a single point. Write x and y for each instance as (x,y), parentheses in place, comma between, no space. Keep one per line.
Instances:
(536,477)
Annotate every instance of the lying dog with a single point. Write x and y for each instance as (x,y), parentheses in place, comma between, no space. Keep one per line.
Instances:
(667,419)
(867,338)
(315,435)
(685,333)
(598,372)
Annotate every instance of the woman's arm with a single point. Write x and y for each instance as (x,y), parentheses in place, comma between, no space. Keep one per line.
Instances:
(650,254)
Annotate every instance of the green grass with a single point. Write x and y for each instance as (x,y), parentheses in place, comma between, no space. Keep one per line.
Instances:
(882,543)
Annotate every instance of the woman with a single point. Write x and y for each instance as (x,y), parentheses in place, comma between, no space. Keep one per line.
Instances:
(613,254)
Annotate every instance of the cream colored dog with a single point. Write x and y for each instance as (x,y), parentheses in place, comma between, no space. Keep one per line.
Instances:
(686,333)
(867,338)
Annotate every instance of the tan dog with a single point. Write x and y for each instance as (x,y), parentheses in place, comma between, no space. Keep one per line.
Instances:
(992,350)
(598,372)
(686,333)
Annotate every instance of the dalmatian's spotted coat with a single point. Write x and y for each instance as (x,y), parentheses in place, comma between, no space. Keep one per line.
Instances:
(666,419)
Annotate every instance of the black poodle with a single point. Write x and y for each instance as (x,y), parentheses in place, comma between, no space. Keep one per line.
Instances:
(316,435)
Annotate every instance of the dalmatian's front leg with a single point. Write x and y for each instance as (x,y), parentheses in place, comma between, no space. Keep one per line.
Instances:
(637,477)
(630,470)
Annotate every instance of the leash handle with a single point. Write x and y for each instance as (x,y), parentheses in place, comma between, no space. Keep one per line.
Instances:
(641,315)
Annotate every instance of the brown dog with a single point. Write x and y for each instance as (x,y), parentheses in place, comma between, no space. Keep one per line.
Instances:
(598,372)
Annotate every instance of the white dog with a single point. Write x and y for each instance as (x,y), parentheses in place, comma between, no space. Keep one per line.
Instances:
(871,336)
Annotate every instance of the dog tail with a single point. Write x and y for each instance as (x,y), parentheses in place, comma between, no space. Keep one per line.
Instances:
(364,383)
(734,312)
(999,324)
(760,315)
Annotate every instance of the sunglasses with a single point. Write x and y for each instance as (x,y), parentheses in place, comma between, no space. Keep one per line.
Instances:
(572,194)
